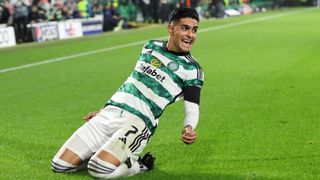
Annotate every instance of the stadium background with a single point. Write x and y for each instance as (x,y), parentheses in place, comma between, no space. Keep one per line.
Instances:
(259,107)
(30,18)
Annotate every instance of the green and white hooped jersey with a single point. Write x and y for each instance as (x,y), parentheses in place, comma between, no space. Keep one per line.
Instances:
(158,80)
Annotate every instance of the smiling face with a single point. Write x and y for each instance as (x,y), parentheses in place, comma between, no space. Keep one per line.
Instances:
(182,34)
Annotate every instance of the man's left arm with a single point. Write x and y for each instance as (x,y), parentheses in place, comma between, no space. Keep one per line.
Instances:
(191,106)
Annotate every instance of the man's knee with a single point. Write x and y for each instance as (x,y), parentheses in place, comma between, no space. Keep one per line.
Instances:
(108,162)
(100,168)
(65,161)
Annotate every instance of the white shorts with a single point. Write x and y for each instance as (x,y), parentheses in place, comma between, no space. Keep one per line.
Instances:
(113,130)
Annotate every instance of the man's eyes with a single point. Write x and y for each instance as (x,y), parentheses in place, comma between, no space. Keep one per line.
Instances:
(186,28)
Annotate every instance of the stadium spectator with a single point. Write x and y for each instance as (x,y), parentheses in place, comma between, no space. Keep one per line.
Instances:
(59,13)
(44,10)
(124,10)
(127,13)
(75,12)
(145,9)
(68,9)
(7,12)
(85,9)
(164,10)
(21,19)
(194,3)
(97,7)
(4,14)
(34,15)
(155,10)
(68,12)
(68,3)
(111,18)
(115,3)
(110,142)
(216,8)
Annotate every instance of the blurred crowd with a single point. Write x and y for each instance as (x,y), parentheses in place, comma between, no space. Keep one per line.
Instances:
(116,14)
(57,10)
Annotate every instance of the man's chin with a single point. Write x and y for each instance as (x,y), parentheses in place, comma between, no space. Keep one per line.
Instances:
(185,48)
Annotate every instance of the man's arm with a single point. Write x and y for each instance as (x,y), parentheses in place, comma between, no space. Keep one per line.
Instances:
(191,106)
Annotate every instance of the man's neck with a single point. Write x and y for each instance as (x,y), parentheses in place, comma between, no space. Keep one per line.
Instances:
(169,48)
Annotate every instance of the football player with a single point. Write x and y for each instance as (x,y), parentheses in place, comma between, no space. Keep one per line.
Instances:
(110,142)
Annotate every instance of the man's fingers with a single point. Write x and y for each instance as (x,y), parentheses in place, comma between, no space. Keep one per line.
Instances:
(189,138)
(186,141)
(90,115)
(87,117)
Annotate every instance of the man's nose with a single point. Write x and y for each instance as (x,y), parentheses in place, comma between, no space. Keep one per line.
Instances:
(190,33)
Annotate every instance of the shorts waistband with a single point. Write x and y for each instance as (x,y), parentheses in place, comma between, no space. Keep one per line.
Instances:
(111,107)
(116,110)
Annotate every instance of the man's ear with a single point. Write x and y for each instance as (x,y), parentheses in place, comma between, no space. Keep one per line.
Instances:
(170,28)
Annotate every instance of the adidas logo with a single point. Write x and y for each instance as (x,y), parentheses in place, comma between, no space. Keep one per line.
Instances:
(124,140)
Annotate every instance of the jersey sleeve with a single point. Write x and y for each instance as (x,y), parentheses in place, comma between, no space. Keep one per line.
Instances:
(195,77)
(193,83)
(191,92)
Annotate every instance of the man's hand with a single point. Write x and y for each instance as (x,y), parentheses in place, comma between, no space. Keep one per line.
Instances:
(90,115)
(188,135)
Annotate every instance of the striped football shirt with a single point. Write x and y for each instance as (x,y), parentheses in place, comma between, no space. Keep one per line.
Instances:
(158,80)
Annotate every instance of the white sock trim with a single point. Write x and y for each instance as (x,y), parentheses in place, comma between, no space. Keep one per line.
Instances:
(59,165)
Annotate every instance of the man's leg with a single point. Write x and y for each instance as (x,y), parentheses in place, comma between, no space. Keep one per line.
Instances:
(78,149)
(72,156)
(119,156)
(112,161)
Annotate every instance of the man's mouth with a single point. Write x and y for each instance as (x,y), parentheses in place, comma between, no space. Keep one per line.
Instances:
(187,41)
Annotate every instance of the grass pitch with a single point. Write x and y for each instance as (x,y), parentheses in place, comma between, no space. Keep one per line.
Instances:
(260,103)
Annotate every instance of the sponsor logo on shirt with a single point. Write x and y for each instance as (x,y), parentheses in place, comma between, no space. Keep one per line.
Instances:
(156,63)
(152,72)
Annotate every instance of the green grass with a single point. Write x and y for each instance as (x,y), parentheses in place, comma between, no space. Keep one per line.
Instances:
(259,108)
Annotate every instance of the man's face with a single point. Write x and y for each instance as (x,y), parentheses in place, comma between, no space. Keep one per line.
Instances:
(182,34)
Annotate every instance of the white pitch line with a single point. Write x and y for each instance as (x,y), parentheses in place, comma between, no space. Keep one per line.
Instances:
(70,57)
(48,61)
(254,20)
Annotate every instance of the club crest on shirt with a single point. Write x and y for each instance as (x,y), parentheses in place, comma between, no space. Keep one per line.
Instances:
(173,66)
(156,63)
